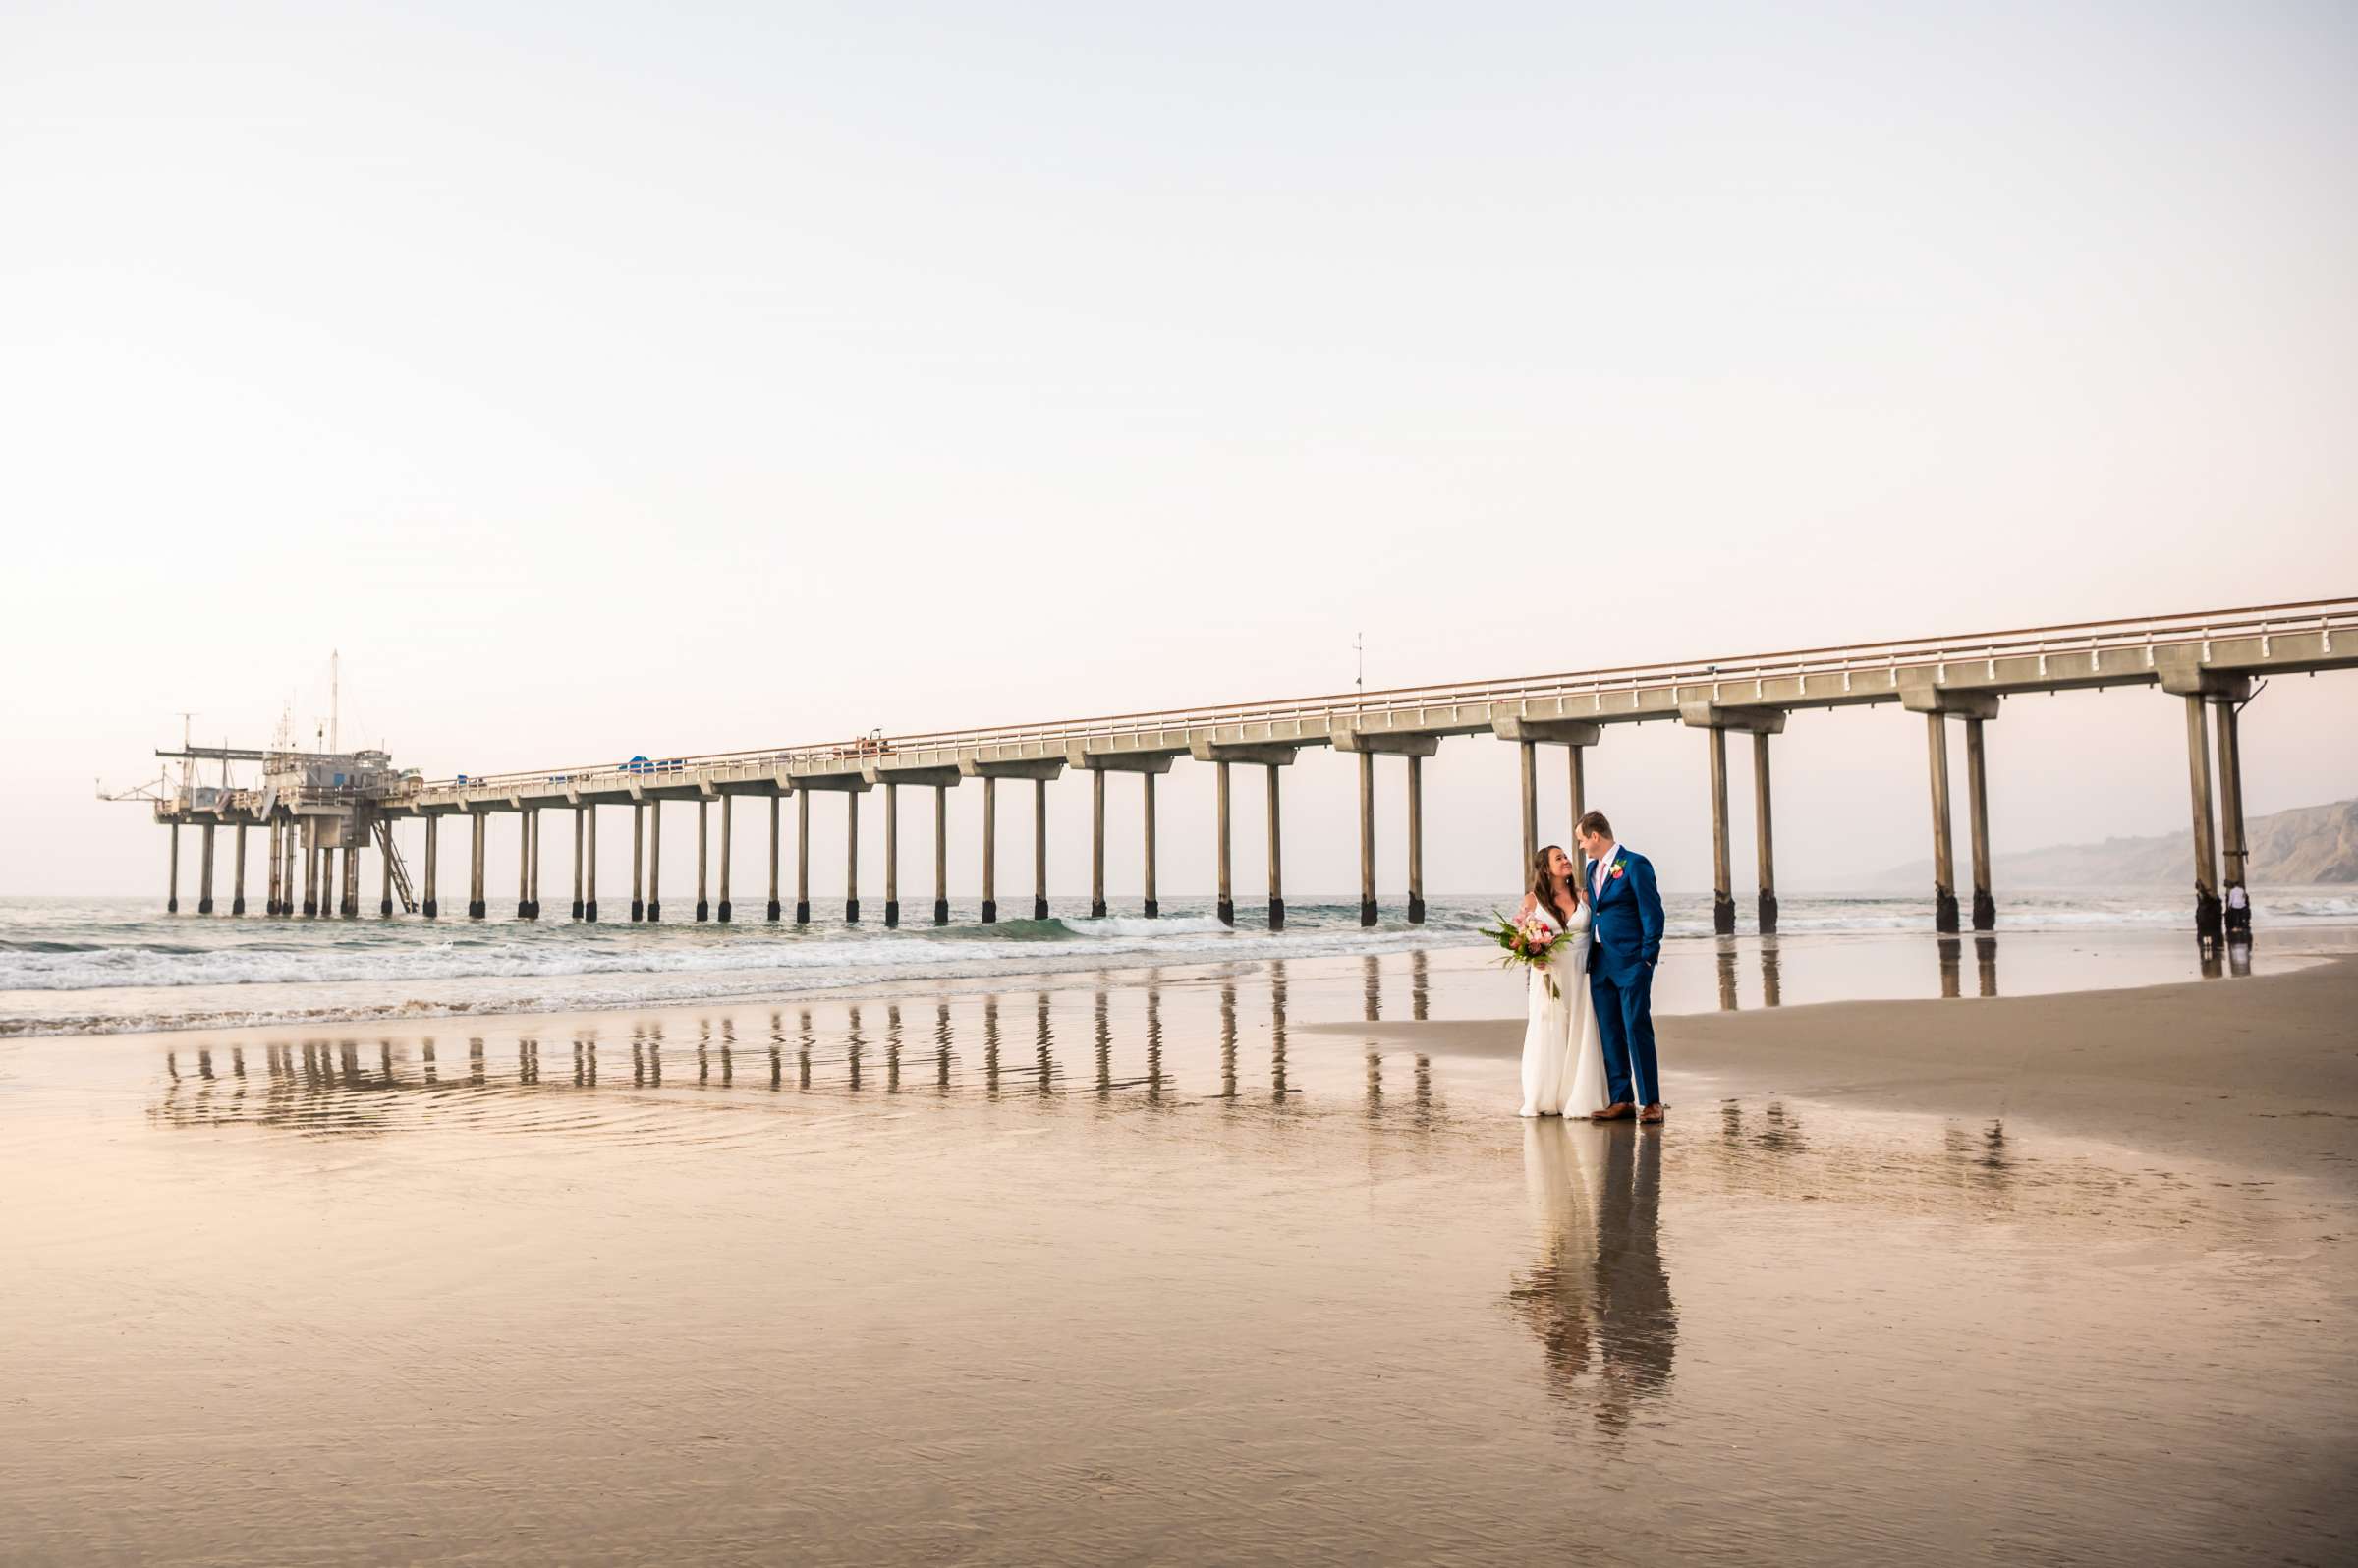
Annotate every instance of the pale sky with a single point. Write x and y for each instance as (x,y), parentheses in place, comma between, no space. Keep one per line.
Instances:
(607,379)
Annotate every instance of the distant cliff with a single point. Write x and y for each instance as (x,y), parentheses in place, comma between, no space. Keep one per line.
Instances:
(2309,844)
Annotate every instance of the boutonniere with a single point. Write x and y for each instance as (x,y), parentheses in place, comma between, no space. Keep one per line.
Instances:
(1615,873)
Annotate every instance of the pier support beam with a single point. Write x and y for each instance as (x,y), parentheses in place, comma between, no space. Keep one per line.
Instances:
(1415,836)
(725,911)
(776,909)
(703,862)
(637,862)
(941,778)
(384,890)
(205,869)
(1528,734)
(172,888)
(1273,758)
(524,865)
(2201,689)
(851,860)
(1976,811)
(990,851)
(1414,746)
(802,856)
(1039,849)
(1940,706)
(290,841)
(237,878)
(892,856)
(941,856)
(2208,909)
(270,873)
(311,865)
(579,832)
(1577,770)
(2237,920)
(590,864)
(654,862)
(476,908)
(431,906)
(351,881)
(1762,833)
(1227,899)
(1147,765)
(1760,723)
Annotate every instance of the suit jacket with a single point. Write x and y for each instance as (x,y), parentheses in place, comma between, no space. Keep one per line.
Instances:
(1627,921)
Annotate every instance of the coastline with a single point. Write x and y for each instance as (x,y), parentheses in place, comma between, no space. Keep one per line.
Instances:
(2260,1072)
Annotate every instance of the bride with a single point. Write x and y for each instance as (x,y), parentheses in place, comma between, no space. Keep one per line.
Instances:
(1563,1057)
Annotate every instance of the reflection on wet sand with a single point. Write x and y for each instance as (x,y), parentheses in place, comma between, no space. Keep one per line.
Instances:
(1598,1294)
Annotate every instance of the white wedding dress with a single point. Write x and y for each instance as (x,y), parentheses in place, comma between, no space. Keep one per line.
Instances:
(1563,1056)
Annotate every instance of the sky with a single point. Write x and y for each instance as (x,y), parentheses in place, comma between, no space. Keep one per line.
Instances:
(603,379)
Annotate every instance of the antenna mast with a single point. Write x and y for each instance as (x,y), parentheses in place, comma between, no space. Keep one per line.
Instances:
(334,739)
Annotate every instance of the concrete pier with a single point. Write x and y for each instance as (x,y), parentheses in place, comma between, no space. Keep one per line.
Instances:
(172,889)
(725,911)
(1367,838)
(703,862)
(1526,733)
(1412,746)
(990,851)
(204,869)
(1764,837)
(776,909)
(270,871)
(1976,811)
(384,892)
(1528,758)
(590,865)
(578,830)
(1945,872)
(1227,899)
(2209,912)
(1276,858)
(1577,778)
(637,862)
(237,884)
(477,908)
(351,881)
(1148,766)
(1039,849)
(654,862)
(524,865)
(311,871)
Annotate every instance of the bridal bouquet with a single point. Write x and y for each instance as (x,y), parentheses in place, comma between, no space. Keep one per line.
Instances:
(1533,943)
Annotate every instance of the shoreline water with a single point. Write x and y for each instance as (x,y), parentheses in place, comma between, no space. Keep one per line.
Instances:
(83,967)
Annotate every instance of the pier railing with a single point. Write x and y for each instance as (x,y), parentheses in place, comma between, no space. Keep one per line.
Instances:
(2326,618)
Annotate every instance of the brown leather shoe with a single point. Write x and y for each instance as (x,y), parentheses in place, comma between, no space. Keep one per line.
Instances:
(1652,1113)
(1619,1111)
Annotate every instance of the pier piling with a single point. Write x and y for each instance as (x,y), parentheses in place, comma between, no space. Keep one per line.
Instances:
(1039,849)
(384,892)
(1416,837)
(638,859)
(941,854)
(724,911)
(2208,910)
(578,832)
(777,910)
(801,858)
(172,891)
(2231,846)
(1096,844)
(1723,897)
(851,858)
(237,885)
(1945,873)
(524,865)
(351,906)
(1276,858)
(431,906)
(990,850)
(1152,906)
(1528,752)
(590,865)
(477,908)
(703,870)
(1763,838)
(892,855)
(654,862)
(204,869)
(1227,900)
(1976,811)
(1366,837)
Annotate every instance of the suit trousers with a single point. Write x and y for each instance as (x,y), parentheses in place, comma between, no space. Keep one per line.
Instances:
(1625,1028)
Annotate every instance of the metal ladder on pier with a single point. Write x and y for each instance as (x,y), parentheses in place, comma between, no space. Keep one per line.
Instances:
(401,872)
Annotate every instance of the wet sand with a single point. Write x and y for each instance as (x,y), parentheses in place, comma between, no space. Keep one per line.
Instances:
(1136,1268)
(2262,1072)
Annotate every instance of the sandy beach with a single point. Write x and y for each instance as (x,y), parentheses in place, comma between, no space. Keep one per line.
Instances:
(2262,1071)
(1191,1264)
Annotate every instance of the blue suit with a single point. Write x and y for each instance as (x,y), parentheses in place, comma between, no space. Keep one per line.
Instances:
(1627,923)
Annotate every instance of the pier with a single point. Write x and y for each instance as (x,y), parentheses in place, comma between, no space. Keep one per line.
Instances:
(319,806)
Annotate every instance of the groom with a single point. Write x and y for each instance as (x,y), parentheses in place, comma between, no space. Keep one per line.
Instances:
(1627,923)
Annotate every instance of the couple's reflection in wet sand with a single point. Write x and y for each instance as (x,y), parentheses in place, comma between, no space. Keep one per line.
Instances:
(1597,1296)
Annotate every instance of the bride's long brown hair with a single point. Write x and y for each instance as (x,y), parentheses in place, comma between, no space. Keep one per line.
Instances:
(1542,881)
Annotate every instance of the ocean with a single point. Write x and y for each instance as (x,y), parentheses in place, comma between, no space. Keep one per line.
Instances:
(109,966)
